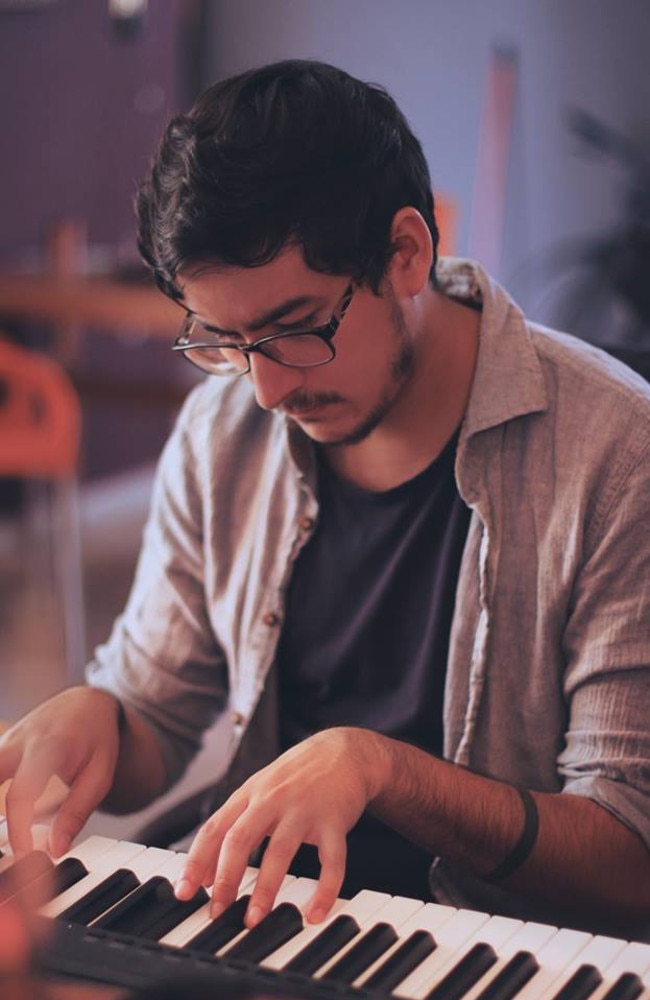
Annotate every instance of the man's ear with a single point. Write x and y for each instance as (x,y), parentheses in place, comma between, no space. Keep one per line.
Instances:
(411,262)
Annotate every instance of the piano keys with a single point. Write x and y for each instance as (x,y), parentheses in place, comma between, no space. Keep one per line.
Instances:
(112,918)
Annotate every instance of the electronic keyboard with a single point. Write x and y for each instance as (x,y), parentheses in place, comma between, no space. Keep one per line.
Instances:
(112,918)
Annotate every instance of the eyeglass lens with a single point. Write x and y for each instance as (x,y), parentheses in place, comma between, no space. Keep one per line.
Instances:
(300,351)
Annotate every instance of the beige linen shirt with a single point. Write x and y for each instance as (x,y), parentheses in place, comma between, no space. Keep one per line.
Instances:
(548,682)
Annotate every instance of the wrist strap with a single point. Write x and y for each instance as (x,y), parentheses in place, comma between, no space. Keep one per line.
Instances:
(524,845)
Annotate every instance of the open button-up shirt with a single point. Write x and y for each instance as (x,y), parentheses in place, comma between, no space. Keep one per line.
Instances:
(548,680)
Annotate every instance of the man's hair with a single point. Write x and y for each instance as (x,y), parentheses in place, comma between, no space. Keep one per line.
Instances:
(295,153)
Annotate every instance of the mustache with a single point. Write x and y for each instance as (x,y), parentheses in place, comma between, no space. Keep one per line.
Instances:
(302,402)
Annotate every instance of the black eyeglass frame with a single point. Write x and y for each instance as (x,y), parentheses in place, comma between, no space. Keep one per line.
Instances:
(325,333)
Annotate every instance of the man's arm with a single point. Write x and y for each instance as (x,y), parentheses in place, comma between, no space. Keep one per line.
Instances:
(103,754)
(583,858)
(316,792)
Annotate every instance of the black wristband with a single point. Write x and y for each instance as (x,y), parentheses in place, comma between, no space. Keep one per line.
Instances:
(524,845)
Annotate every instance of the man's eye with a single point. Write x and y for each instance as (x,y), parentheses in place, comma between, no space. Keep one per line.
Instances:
(220,339)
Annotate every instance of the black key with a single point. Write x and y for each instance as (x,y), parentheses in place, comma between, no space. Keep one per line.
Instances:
(27,869)
(401,963)
(361,955)
(628,986)
(515,973)
(222,930)
(67,873)
(170,912)
(464,974)
(281,924)
(109,892)
(580,985)
(56,879)
(324,946)
(150,911)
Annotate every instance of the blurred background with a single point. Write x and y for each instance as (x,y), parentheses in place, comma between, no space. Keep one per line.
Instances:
(534,118)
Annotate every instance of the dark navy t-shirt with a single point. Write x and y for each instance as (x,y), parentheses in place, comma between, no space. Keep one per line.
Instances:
(369,612)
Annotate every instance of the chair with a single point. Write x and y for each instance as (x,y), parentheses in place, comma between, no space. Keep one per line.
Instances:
(40,432)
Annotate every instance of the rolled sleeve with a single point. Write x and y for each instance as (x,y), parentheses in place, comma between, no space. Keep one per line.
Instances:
(162,659)
(607,682)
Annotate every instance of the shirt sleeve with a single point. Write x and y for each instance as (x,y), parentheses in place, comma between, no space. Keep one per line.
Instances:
(162,658)
(606,755)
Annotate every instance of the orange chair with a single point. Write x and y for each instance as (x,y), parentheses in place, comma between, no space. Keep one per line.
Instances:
(40,432)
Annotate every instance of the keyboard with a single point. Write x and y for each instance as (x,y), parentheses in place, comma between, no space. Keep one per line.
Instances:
(112,918)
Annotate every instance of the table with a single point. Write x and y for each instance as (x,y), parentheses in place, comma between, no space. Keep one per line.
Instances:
(72,302)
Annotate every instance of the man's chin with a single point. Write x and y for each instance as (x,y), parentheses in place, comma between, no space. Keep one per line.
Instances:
(327,433)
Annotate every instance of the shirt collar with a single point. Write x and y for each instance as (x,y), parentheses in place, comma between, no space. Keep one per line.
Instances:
(508,380)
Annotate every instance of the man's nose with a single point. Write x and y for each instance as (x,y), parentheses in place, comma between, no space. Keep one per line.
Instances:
(273,382)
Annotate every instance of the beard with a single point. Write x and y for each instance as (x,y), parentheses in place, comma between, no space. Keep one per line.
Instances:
(400,371)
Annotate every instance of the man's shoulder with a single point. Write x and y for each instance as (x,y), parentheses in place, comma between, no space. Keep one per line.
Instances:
(589,376)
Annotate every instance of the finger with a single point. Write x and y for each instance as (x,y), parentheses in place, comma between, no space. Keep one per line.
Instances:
(278,856)
(9,757)
(91,785)
(204,851)
(242,838)
(28,784)
(332,853)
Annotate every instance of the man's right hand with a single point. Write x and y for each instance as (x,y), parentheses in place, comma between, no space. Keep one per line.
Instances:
(74,735)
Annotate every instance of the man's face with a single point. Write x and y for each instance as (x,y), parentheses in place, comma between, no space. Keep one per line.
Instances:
(339,403)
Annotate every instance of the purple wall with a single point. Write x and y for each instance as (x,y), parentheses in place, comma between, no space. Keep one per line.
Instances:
(80,114)
(81,111)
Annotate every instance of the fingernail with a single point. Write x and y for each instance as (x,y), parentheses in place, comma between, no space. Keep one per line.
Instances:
(184,889)
(316,915)
(216,909)
(253,916)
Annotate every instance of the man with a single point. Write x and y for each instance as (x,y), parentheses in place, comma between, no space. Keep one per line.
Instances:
(403,543)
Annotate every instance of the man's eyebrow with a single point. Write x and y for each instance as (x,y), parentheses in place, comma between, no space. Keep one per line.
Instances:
(273,315)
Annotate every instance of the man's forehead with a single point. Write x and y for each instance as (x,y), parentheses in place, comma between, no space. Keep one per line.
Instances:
(252,297)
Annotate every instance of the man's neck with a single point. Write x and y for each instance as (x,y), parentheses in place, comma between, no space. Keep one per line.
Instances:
(429,411)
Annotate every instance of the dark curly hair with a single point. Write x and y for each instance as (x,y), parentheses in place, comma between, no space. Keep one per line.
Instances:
(296,153)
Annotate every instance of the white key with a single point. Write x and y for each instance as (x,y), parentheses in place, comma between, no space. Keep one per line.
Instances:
(531,937)
(495,933)
(154,861)
(395,911)
(90,851)
(157,861)
(194,924)
(553,959)
(362,908)
(298,891)
(118,856)
(86,852)
(451,938)
(635,957)
(428,917)
(285,883)
(600,951)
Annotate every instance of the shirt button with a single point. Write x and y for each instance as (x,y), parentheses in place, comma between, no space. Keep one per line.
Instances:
(271,619)
(238,719)
(306,523)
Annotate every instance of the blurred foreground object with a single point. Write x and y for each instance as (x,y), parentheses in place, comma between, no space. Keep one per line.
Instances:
(21,936)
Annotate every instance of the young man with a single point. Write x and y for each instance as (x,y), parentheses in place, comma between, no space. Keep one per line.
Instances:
(403,543)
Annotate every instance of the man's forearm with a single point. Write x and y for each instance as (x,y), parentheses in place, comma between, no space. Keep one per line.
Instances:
(582,853)
(140,773)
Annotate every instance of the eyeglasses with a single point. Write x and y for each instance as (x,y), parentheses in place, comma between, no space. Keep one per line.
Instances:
(218,355)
